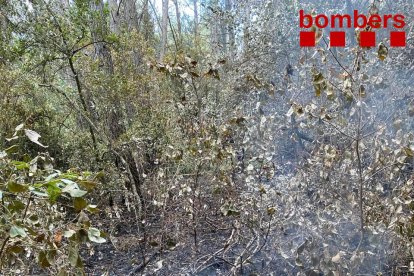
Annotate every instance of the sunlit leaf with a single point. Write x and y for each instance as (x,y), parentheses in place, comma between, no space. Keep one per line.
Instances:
(33,136)
(94,235)
(69,233)
(16,231)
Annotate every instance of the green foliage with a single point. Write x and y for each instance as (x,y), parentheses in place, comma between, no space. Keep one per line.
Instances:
(35,202)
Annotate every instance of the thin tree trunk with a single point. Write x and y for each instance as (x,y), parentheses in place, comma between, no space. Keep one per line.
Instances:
(228,5)
(195,22)
(103,54)
(114,14)
(147,27)
(164,29)
(99,31)
(246,29)
(178,15)
(215,37)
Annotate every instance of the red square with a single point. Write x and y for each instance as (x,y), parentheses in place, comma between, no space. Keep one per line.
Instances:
(397,39)
(367,39)
(307,39)
(337,39)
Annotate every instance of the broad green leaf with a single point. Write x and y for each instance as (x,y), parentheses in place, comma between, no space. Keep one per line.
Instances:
(20,165)
(17,231)
(74,258)
(16,249)
(16,206)
(53,191)
(42,259)
(17,188)
(79,204)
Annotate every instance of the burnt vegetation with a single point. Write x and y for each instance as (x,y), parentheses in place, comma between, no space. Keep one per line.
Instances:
(197,138)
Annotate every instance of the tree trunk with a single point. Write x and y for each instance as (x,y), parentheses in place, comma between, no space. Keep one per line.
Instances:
(147,26)
(246,29)
(215,37)
(99,31)
(115,16)
(195,22)
(178,15)
(228,5)
(164,29)
(131,15)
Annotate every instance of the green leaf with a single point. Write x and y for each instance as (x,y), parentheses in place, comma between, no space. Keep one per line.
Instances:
(53,191)
(69,176)
(88,185)
(74,258)
(42,259)
(100,175)
(12,149)
(17,231)
(408,151)
(79,204)
(16,206)
(319,82)
(20,165)
(94,235)
(17,188)
(16,249)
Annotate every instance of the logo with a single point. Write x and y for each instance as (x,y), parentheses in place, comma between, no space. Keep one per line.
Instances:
(365,27)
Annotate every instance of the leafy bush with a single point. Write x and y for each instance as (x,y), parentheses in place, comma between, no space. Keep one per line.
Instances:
(44,212)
